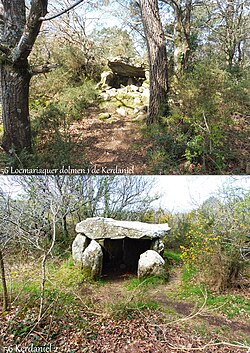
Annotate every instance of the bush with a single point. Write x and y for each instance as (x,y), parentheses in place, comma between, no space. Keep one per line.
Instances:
(51,132)
(216,238)
(201,133)
(74,100)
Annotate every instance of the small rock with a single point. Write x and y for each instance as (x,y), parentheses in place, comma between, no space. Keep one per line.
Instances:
(104,116)
(121,111)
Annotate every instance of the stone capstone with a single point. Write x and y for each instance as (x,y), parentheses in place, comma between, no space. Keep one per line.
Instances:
(124,69)
(79,245)
(92,258)
(108,228)
(150,264)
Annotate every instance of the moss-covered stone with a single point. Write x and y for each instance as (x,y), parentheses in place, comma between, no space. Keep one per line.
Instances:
(104,116)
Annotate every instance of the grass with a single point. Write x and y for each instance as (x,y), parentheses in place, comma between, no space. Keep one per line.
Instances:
(175,256)
(231,305)
(66,280)
(148,282)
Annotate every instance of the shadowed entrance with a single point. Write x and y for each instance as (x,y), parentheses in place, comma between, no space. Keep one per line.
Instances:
(122,255)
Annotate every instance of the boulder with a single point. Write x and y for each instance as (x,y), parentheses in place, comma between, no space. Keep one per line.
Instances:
(108,228)
(158,246)
(79,245)
(150,263)
(92,260)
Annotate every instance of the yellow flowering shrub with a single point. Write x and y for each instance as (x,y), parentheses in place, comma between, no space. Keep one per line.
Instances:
(215,242)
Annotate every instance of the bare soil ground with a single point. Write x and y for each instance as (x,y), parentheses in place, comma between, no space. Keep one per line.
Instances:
(115,142)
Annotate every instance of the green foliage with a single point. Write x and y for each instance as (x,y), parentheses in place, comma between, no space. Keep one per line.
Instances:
(215,239)
(114,42)
(172,256)
(51,128)
(68,275)
(230,305)
(74,100)
(150,281)
(166,148)
(200,134)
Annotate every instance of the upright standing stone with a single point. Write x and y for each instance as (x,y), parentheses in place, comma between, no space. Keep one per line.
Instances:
(79,245)
(150,264)
(92,260)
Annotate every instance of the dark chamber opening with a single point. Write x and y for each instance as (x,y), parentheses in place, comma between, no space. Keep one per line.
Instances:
(121,256)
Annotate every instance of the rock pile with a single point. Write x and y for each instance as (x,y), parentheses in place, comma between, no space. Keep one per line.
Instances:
(126,88)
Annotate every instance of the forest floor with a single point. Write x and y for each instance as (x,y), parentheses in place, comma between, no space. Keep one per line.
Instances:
(110,143)
(125,145)
(121,315)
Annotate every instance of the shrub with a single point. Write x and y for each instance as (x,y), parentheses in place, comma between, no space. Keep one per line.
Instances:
(74,100)
(51,132)
(200,135)
(216,238)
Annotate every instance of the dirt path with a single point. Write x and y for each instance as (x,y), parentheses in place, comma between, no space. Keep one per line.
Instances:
(186,308)
(112,143)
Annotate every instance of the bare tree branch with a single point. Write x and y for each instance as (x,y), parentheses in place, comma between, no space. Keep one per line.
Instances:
(61,13)
(43,69)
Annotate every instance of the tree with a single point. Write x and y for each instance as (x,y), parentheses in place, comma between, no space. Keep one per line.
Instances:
(81,197)
(158,63)
(18,33)
(6,235)
(228,23)
(216,239)
(182,32)
(5,291)
(114,41)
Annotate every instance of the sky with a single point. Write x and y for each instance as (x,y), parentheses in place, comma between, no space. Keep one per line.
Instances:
(183,193)
(178,193)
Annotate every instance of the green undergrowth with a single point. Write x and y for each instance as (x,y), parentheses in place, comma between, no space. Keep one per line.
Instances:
(173,256)
(148,282)
(233,306)
(68,289)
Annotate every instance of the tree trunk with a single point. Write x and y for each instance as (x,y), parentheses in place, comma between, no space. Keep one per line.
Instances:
(19,29)
(182,36)
(158,63)
(5,291)
(15,108)
(65,227)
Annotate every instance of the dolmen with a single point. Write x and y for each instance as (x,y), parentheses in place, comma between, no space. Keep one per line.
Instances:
(105,244)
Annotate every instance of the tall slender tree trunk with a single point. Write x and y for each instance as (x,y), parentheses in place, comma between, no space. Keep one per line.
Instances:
(5,291)
(182,35)
(158,63)
(15,108)
(65,227)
